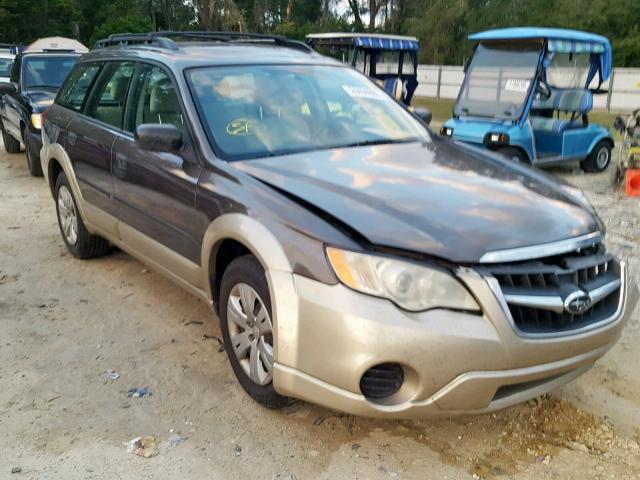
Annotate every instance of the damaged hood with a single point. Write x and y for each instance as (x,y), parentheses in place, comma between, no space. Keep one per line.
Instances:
(434,198)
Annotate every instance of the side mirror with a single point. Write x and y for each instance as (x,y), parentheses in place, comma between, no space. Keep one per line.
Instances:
(423,114)
(158,137)
(619,124)
(7,88)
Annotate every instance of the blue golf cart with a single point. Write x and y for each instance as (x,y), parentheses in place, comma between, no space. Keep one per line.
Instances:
(391,60)
(527,93)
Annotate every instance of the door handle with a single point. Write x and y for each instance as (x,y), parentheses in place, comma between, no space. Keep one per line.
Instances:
(72,137)
(121,161)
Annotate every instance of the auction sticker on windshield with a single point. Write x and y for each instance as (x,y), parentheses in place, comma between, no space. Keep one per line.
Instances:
(517,85)
(363,92)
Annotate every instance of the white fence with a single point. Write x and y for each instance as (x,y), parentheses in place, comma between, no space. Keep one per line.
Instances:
(443,81)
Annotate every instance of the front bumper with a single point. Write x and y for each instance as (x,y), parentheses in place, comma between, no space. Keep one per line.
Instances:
(328,336)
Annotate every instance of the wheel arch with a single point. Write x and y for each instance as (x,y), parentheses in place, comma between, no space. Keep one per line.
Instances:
(56,161)
(599,138)
(232,235)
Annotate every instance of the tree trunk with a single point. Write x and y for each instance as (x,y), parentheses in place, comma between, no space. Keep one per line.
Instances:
(357,19)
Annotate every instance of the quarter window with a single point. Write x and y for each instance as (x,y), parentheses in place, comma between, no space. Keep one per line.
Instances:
(75,89)
(108,104)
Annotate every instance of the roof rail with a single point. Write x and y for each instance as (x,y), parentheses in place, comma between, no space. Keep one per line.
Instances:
(165,39)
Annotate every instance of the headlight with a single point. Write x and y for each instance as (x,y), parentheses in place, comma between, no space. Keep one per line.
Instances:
(36,120)
(410,286)
(446,131)
(496,139)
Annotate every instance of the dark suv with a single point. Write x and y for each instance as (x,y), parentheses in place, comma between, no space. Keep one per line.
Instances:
(354,259)
(37,73)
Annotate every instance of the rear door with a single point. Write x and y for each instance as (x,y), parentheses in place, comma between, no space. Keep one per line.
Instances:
(155,191)
(90,136)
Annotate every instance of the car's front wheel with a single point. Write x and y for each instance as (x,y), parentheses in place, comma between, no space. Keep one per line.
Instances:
(248,330)
(33,162)
(514,154)
(78,240)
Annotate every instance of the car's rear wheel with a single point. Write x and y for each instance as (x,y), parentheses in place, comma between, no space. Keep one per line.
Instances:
(35,168)
(11,145)
(78,240)
(247,329)
(599,158)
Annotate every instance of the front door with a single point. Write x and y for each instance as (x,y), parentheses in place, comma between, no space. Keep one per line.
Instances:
(155,192)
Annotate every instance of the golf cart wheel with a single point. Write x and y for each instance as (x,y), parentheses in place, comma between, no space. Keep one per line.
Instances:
(599,158)
(514,154)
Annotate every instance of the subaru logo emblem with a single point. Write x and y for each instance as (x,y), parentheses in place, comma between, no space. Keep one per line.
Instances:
(577,302)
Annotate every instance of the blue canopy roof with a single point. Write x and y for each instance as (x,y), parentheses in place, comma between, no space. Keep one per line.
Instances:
(365,40)
(558,40)
(386,43)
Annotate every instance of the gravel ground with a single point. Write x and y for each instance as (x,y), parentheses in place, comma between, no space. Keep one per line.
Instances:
(65,323)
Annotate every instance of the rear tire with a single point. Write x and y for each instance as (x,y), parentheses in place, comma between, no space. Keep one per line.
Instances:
(599,158)
(11,145)
(78,240)
(514,154)
(245,321)
(35,168)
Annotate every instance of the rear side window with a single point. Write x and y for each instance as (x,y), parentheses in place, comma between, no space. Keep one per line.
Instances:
(77,86)
(108,100)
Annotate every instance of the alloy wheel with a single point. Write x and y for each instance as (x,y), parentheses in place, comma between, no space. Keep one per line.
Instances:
(251,333)
(68,215)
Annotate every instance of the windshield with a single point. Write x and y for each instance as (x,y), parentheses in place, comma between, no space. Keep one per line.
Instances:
(5,67)
(48,71)
(261,111)
(569,70)
(498,81)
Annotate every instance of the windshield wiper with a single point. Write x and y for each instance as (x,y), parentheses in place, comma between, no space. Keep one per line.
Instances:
(380,141)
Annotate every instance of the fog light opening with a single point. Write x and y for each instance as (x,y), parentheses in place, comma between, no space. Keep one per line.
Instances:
(382,381)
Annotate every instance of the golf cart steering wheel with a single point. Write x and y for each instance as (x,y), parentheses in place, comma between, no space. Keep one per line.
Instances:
(543,89)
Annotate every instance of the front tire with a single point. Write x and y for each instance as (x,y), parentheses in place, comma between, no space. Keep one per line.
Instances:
(247,329)
(78,240)
(11,145)
(35,168)
(599,158)
(514,154)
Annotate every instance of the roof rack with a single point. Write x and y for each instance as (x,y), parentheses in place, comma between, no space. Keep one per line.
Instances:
(165,39)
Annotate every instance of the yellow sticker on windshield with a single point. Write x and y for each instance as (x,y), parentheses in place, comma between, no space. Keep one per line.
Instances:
(239,126)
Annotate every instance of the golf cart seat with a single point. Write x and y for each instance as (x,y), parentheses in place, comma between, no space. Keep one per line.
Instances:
(574,101)
(395,87)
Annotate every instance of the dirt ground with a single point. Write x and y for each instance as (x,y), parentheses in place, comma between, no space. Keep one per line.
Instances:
(65,322)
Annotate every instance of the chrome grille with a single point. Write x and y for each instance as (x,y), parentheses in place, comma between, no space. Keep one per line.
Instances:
(560,294)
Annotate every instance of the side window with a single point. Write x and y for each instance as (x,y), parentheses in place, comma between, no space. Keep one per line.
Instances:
(407,64)
(362,62)
(157,100)
(109,97)
(75,88)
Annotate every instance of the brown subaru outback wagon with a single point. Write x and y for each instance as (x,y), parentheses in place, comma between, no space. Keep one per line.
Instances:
(355,260)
